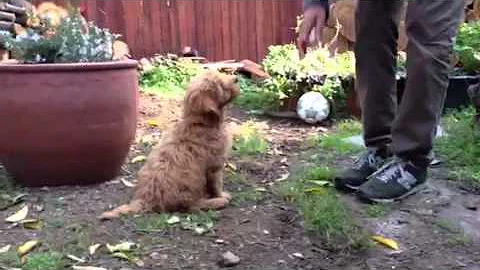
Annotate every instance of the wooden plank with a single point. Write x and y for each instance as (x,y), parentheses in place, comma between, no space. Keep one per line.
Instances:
(251,31)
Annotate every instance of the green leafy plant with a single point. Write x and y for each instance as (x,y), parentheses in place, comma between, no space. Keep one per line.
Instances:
(461,147)
(467,47)
(250,141)
(317,71)
(46,260)
(72,41)
(168,77)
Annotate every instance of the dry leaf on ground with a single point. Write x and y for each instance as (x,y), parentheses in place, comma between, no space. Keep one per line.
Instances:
(5,248)
(386,242)
(138,159)
(18,216)
(27,247)
(75,258)
(125,246)
(93,248)
(127,183)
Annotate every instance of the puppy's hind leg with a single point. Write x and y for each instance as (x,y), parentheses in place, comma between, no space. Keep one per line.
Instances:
(134,207)
(210,204)
(215,184)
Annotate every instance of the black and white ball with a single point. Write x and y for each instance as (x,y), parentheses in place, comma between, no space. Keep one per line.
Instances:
(313,107)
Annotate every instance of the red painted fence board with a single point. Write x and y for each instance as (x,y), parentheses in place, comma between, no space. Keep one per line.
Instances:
(218,29)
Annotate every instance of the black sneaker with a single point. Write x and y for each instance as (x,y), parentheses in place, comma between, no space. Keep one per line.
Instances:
(352,178)
(394,181)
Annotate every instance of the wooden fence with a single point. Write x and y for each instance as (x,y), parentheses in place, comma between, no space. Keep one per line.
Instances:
(218,29)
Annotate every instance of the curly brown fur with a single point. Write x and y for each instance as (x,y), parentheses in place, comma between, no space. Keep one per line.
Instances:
(184,172)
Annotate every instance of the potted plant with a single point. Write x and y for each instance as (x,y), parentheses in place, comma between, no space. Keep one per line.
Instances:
(467,66)
(68,108)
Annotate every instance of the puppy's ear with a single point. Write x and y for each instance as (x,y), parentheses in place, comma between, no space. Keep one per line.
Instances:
(200,103)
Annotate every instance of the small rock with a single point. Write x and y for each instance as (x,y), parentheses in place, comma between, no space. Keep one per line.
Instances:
(220,241)
(266,232)
(425,212)
(442,201)
(229,259)
(282,262)
(471,204)
(159,257)
(298,255)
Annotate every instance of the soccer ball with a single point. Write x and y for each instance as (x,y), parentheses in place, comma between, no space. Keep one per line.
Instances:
(313,107)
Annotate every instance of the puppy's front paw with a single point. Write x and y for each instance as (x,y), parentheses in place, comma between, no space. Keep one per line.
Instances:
(226,195)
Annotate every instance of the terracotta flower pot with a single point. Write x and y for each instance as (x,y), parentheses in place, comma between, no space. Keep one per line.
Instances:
(67,124)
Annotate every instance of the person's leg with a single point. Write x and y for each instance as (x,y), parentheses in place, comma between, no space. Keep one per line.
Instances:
(376,28)
(431,27)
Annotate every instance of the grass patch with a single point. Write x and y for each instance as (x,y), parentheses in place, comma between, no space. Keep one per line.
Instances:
(250,141)
(10,259)
(461,147)
(456,235)
(253,96)
(376,210)
(324,213)
(199,223)
(242,190)
(44,261)
(336,141)
(79,239)
(56,223)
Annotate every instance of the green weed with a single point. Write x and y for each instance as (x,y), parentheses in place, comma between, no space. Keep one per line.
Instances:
(324,213)
(336,141)
(250,141)
(461,147)
(44,261)
(376,210)
(10,259)
(199,223)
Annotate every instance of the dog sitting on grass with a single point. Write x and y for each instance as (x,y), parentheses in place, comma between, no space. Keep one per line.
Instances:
(184,172)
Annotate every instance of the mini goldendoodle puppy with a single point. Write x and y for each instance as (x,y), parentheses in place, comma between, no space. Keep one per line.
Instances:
(184,172)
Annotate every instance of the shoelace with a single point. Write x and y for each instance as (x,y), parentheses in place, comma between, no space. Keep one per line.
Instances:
(395,171)
(369,158)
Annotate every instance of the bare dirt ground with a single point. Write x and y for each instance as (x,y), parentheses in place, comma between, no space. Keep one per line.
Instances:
(434,229)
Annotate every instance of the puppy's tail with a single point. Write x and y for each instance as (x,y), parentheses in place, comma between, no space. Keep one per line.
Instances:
(133,207)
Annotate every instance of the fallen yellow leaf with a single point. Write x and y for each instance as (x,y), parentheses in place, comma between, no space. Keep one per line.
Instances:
(139,159)
(283,177)
(18,216)
(232,167)
(93,248)
(322,183)
(127,183)
(87,268)
(125,246)
(173,220)
(27,247)
(152,123)
(75,258)
(32,224)
(5,248)
(386,242)
(121,255)
(316,190)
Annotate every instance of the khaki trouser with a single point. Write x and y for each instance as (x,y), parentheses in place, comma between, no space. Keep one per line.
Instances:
(431,26)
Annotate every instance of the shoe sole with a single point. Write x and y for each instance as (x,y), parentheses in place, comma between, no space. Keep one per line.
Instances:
(345,187)
(409,193)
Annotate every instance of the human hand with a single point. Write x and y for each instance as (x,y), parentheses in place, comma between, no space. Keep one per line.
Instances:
(313,17)
(13,12)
